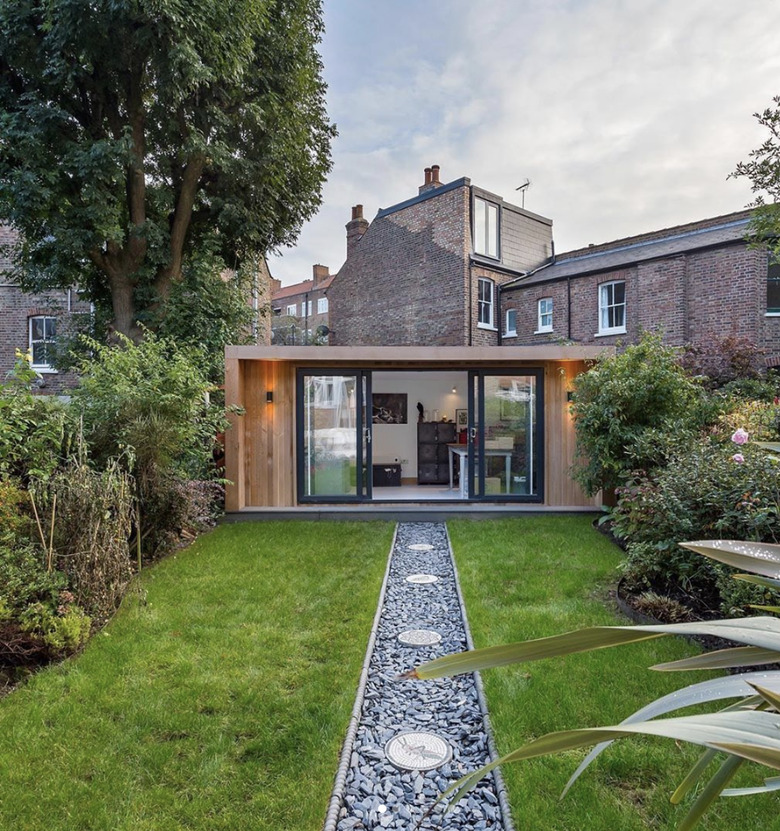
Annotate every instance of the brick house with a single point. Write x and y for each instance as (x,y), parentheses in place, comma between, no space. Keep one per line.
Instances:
(694,283)
(32,321)
(426,270)
(298,311)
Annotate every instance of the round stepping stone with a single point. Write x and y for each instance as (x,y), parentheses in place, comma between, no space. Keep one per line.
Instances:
(419,637)
(421,546)
(417,751)
(421,579)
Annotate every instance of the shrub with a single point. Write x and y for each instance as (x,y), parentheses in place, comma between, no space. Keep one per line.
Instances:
(148,405)
(39,619)
(725,360)
(619,400)
(702,493)
(91,514)
(35,431)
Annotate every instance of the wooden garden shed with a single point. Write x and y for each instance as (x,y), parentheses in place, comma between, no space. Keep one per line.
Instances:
(365,425)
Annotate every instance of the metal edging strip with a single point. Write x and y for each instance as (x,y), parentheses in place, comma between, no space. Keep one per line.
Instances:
(498,778)
(339,785)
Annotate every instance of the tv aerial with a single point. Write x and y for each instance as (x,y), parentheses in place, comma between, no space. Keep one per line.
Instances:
(523,188)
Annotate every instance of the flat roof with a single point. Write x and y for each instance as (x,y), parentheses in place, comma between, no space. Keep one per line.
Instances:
(410,355)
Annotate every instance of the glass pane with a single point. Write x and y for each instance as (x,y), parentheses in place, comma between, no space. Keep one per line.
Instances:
(39,353)
(508,455)
(480,222)
(37,328)
(773,295)
(492,231)
(51,327)
(330,435)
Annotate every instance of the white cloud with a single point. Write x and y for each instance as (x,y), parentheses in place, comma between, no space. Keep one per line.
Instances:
(626,116)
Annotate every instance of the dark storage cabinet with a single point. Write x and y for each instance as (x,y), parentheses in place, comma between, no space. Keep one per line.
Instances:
(387,476)
(432,453)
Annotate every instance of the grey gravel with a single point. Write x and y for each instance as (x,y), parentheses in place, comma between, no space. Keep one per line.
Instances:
(376,795)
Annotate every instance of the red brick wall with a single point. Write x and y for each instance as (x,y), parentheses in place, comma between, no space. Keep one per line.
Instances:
(692,298)
(16,308)
(405,283)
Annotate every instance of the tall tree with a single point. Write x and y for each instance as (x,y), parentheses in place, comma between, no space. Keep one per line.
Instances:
(763,171)
(136,133)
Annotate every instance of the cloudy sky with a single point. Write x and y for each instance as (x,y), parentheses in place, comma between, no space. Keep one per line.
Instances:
(626,115)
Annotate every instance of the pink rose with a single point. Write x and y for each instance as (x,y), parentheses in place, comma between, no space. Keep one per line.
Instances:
(740,436)
(738,457)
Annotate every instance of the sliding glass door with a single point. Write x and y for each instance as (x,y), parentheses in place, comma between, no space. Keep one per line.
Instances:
(333,436)
(505,459)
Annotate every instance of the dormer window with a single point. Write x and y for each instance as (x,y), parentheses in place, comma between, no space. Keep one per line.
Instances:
(485,228)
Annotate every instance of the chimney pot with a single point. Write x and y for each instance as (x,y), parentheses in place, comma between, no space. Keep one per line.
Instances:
(435,174)
(427,175)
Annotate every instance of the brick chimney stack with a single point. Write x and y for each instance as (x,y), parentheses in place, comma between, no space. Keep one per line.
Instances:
(431,179)
(320,274)
(356,227)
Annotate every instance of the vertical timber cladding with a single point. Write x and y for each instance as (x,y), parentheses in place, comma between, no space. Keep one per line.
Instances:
(268,427)
(560,439)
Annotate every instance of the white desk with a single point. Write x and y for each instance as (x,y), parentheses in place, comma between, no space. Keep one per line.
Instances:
(462,452)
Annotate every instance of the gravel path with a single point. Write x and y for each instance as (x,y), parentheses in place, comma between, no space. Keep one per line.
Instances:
(371,792)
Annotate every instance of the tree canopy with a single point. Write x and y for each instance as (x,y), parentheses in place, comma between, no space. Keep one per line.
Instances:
(137,134)
(763,171)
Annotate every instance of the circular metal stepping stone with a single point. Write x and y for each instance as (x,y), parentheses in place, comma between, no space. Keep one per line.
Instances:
(419,637)
(417,751)
(421,579)
(421,546)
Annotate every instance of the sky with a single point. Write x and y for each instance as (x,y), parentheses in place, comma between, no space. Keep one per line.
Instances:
(626,116)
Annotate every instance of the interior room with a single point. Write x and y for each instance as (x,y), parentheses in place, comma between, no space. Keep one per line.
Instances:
(410,464)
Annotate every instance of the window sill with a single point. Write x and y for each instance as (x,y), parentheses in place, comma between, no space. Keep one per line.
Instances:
(610,333)
(487,327)
(509,335)
(487,257)
(543,331)
(44,370)
(772,314)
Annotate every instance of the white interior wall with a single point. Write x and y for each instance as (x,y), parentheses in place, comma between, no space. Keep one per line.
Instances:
(434,391)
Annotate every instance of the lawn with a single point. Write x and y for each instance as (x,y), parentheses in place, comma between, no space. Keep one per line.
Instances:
(530,577)
(218,698)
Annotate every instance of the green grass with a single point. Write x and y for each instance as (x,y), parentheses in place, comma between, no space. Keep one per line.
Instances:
(530,577)
(220,702)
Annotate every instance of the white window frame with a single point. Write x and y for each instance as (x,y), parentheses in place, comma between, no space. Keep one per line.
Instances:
(322,305)
(486,228)
(41,366)
(292,310)
(606,304)
(306,307)
(510,323)
(485,306)
(544,309)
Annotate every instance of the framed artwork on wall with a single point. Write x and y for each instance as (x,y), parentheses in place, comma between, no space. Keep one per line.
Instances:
(461,419)
(388,408)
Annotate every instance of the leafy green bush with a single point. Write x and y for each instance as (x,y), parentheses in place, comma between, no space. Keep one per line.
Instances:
(619,400)
(147,404)
(35,431)
(703,492)
(39,619)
